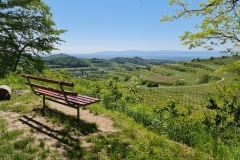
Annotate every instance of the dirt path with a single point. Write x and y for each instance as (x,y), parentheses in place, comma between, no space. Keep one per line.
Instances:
(51,133)
(104,123)
(17,121)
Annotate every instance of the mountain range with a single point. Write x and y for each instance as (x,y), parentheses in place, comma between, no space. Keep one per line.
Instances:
(163,54)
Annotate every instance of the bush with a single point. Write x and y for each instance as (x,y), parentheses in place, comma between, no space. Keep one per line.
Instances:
(116,78)
(144,82)
(112,97)
(152,84)
(180,83)
(127,78)
(204,79)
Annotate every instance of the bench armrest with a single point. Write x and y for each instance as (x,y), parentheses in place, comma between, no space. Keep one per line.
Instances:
(31,86)
(63,92)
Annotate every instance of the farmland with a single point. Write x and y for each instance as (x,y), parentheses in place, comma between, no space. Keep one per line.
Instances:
(165,73)
(185,110)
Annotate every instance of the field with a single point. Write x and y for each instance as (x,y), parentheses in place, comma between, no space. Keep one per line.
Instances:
(187,110)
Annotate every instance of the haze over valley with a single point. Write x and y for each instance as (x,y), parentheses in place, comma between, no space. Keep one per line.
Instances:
(162,54)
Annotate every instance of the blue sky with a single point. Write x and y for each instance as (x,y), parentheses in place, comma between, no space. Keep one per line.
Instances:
(117,25)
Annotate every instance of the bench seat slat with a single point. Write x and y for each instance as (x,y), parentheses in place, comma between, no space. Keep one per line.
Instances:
(79,97)
(81,100)
(70,99)
(60,96)
(89,98)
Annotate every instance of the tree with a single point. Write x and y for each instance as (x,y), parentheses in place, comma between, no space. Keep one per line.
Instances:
(148,67)
(220,23)
(26,31)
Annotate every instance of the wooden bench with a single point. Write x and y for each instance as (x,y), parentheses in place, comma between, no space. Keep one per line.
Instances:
(68,98)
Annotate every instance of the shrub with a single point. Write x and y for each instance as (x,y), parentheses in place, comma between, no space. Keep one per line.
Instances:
(204,79)
(116,78)
(112,97)
(180,83)
(152,84)
(144,82)
(127,78)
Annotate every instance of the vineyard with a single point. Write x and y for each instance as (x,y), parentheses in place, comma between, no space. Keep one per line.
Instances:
(196,113)
(157,97)
(189,120)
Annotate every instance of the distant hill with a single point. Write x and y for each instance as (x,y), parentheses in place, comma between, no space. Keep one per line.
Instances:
(144,58)
(163,54)
(140,61)
(100,62)
(57,55)
(65,61)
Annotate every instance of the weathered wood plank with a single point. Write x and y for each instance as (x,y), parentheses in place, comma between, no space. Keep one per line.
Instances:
(69,84)
(53,89)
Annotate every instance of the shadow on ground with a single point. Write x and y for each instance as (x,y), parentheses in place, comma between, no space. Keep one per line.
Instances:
(84,127)
(62,135)
(55,134)
(74,149)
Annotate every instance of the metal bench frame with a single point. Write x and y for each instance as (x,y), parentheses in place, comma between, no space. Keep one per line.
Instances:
(61,92)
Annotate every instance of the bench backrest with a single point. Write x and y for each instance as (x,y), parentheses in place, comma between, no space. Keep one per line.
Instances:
(61,83)
(69,84)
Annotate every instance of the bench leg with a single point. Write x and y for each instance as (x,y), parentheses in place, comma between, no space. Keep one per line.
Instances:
(44,103)
(78,115)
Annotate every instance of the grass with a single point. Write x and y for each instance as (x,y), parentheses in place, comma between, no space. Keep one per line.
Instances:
(135,138)
(21,103)
(162,78)
(13,144)
(133,141)
(69,121)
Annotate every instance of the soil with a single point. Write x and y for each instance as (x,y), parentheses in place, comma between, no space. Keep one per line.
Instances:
(104,123)
(43,130)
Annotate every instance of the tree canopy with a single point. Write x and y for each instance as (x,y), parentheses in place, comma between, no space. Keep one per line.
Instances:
(220,23)
(66,62)
(26,31)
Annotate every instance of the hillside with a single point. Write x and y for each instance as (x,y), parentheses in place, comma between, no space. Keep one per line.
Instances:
(29,131)
(57,55)
(185,110)
(65,61)
(173,55)
(140,61)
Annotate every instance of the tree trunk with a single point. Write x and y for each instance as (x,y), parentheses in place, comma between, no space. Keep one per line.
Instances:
(5,92)
(17,61)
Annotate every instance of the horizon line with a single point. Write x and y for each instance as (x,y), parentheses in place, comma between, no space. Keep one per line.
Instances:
(140,51)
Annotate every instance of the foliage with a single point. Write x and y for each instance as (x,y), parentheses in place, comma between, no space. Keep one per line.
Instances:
(197,65)
(207,129)
(57,56)
(219,23)
(112,97)
(181,69)
(13,80)
(206,78)
(140,61)
(148,67)
(180,83)
(66,62)
(235,67)
(26,30)
(127,78)
(100,62)
(152,84)
(210,131)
